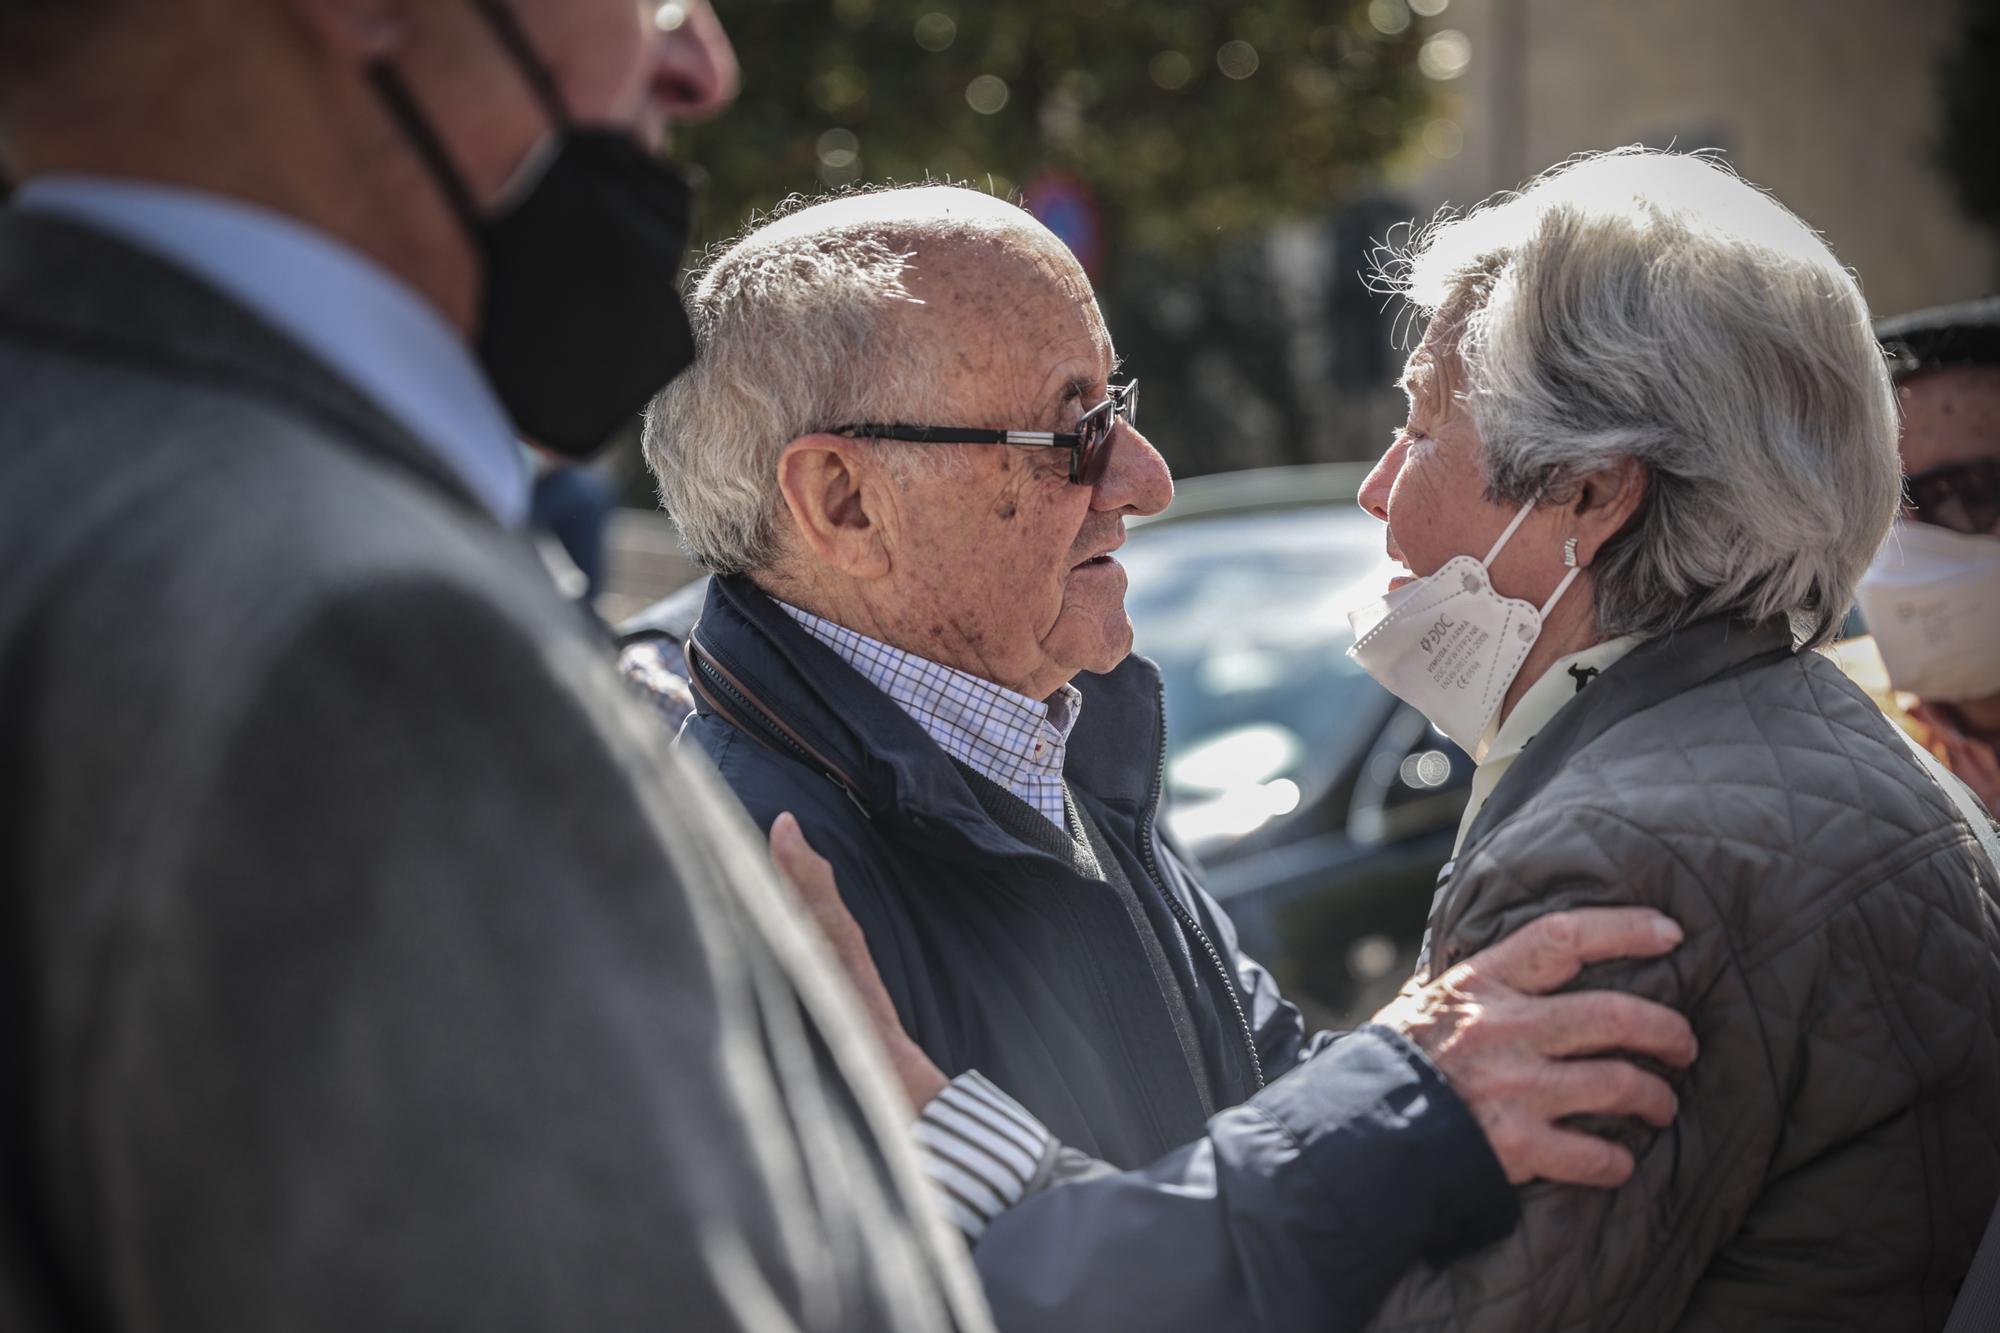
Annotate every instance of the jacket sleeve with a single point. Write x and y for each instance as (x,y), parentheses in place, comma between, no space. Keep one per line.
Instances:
(450,1010)
(1296,1211)
(1588,1259)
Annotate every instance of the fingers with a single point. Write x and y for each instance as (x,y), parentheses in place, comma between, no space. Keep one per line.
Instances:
(1549,951)
(1567,1156)
(811,875)
(1531,1141)
(787,841)
(1593,1022)
(807,870)
(1607,1087)
(818,892)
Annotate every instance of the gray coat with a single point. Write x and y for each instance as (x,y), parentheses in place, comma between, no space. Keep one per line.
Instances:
(1837,1151)
(367,961)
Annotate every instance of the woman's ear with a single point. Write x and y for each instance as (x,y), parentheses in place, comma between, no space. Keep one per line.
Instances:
(836,513)
(1605,504)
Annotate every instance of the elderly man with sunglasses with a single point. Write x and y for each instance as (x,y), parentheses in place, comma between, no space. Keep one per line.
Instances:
(1930,597)
(901,451)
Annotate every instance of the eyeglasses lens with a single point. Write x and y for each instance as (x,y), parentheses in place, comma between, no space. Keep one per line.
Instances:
(1096,430)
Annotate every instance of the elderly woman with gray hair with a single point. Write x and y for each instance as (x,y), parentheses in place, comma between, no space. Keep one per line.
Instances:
(1651,447)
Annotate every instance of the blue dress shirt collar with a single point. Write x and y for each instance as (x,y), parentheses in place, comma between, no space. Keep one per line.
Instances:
(367,325)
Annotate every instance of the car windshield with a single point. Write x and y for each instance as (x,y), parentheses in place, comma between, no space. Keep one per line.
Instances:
(1246,614)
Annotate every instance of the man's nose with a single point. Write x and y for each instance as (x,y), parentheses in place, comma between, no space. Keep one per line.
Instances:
(1135,476)
(694,71)
(1374,496)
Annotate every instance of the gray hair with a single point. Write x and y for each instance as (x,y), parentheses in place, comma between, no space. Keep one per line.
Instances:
(797,329)
(1656,306)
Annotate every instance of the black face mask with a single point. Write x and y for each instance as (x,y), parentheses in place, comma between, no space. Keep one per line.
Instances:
(581,320)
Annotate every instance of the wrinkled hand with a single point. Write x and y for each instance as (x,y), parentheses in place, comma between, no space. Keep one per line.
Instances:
(1511,1050)
(812,880)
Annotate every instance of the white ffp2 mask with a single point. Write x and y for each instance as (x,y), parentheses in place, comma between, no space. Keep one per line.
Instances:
(1932,601)
(1449,644)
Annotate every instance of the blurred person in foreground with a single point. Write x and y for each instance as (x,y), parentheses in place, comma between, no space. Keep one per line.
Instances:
(1650,450)
(1932,598)
(916,649)
(367,963)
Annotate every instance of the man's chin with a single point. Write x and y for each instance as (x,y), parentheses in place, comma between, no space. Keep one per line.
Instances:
(1113,647)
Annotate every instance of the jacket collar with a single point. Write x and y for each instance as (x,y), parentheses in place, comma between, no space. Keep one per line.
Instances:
(896,773)
(67,286)
(1647,676)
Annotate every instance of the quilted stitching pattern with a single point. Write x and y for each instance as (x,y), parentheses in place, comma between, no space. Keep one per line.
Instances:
(1838,1146)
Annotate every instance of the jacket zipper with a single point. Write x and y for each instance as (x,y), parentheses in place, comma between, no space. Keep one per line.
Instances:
(1189,926)
(751,717)
(714,680)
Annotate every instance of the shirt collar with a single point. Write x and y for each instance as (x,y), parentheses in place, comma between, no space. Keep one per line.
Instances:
(1563,681)
(1008,738)
(368,326)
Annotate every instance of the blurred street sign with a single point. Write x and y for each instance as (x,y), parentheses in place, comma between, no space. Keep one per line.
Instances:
(1065,205)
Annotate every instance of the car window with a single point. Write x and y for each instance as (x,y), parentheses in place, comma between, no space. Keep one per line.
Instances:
(1246,614)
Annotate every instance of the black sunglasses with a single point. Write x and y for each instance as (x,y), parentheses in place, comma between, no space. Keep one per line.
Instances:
(1086,444)
(1964,497)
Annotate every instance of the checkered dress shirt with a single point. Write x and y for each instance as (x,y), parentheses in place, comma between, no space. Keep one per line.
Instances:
(1004,737)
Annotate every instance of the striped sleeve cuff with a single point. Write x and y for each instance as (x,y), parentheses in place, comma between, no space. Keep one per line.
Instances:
(982,1151)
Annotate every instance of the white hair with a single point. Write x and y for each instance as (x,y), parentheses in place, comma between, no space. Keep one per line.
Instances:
(1657,307)
(797,329)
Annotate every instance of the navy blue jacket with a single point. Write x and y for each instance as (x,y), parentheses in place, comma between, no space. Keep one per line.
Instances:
(1318,1185)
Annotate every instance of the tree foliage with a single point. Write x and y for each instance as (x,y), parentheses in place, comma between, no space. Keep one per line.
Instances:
(1188,121)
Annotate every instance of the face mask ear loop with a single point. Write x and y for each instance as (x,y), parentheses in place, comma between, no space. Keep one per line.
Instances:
(403,108)
(507,29)
(1508,535)
(1556,596)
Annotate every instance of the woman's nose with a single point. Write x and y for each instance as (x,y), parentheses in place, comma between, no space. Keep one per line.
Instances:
(1374,496)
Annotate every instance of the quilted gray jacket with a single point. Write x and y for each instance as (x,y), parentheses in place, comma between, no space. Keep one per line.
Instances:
(1837,1151)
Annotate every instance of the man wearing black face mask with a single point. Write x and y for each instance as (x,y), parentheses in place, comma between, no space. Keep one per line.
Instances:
(365,962)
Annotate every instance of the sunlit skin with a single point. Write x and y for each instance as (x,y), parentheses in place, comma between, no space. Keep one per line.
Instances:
(1952,415)
(997,565)
(162,94)
(1430,491)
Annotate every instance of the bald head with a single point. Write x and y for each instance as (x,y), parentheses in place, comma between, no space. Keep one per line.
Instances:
(969,269)
(912,304)
(916,212)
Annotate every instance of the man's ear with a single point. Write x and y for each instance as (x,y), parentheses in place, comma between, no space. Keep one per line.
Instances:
(1606,501)
(358,31)
(829,485)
